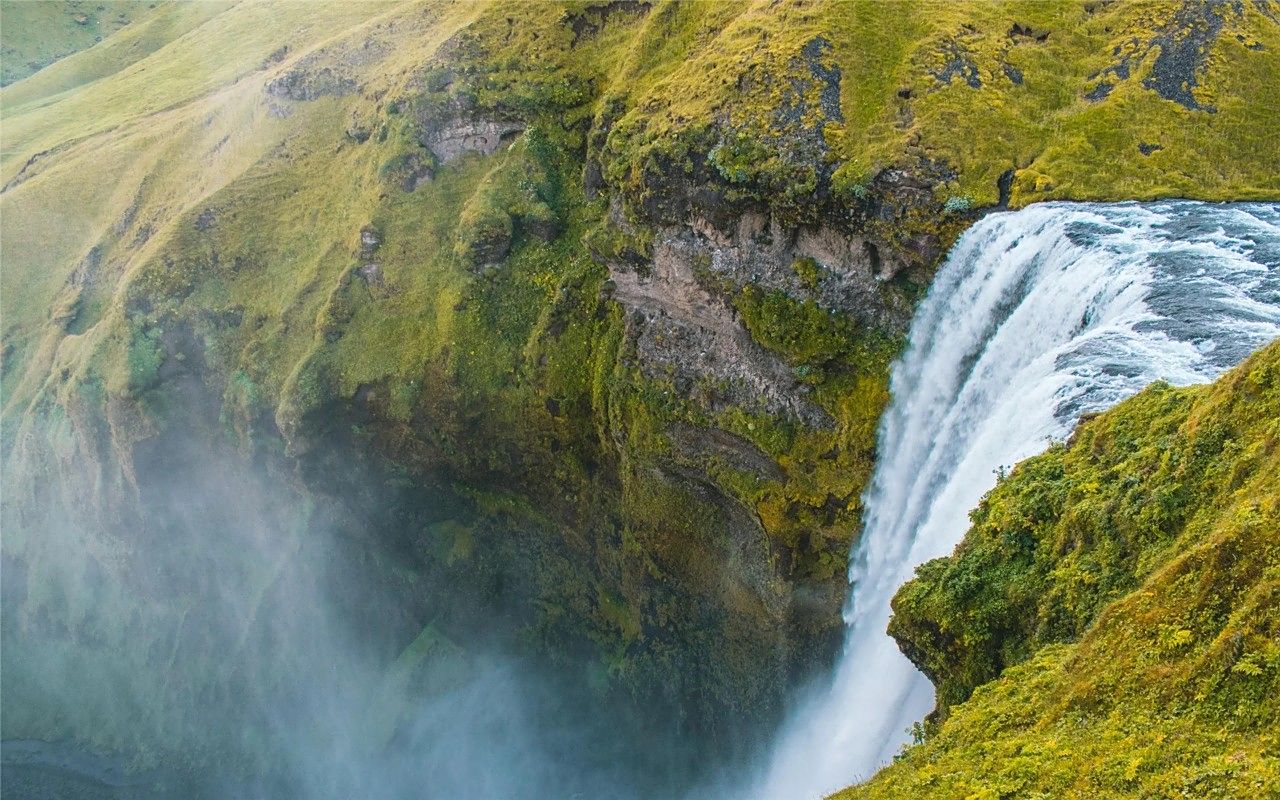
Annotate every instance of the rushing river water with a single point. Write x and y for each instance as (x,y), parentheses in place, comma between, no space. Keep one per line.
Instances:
(1037,316)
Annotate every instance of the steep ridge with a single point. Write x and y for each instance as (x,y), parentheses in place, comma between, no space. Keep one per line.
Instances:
(625,278)
(1108,627)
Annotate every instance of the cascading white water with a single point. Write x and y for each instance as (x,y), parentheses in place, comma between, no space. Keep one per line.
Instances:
(1037,316)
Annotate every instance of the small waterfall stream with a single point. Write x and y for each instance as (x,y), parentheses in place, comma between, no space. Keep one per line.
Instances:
(1037,317)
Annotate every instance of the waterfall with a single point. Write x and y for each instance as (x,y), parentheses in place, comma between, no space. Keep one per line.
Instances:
(1037,317)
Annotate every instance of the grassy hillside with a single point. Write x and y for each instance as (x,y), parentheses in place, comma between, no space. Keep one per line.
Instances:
(38,33)
(1108,627)
(625,277)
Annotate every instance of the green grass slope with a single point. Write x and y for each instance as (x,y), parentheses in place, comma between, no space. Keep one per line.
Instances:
(1110,626)
(242,199)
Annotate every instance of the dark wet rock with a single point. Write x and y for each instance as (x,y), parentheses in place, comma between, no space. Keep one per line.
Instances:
(1026,32)
(544,228)
(1110,76)
(1147,149)
(593,182)
(1004,184)
(1013,74)
(489,242)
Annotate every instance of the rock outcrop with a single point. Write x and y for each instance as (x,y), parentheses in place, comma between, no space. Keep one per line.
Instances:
(611,351)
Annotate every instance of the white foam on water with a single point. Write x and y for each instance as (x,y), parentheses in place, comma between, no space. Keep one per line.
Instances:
(1037,316)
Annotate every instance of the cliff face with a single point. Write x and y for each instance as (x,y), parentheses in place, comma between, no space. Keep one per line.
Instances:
(623,277)
(1109,625)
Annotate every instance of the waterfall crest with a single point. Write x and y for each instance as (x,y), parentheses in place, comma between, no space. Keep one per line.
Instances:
(1037,316)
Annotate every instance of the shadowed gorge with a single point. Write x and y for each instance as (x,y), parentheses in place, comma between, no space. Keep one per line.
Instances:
(485,399)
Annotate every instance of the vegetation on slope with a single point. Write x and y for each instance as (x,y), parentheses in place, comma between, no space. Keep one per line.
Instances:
(306,230)
(40,32)
(1110,626)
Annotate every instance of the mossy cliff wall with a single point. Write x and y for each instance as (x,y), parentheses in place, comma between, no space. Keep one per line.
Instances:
(1108,627)
(585,307)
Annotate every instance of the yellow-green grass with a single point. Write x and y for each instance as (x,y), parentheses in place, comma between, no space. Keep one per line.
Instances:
(1127,583)
(37,33)
(211,205)
(1063,145)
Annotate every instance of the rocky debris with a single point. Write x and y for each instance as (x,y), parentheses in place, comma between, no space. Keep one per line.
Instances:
(331,71)
(278,109)
(1099,92)
(206,219)
(303,84)
(761,252)
(487,242)
(410,170)
(86,272)
(418,172)
(1013,74)
(456,137)
(692,441)
(828,76)
(684,333)
(958,62)
(591,19)
(369,270)
(276,56)
(371,274)
(370,241)
(1182,48)
(1147,149)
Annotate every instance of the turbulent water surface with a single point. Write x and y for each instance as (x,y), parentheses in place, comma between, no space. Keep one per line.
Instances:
(1037,317)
